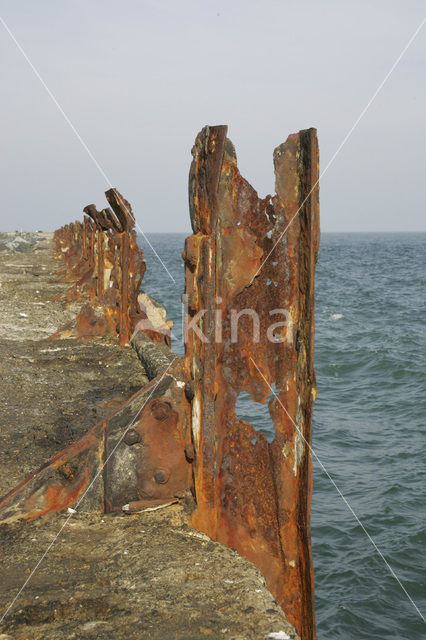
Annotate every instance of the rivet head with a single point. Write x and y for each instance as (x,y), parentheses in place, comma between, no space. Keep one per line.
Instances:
(161,410)
(189,390)
(160,476)
(132,437)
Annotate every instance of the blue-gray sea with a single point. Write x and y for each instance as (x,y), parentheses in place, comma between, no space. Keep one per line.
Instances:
(369,427)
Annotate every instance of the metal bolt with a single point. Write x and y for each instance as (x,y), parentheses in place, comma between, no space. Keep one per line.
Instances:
(161,477)
(161,410)
(189,390)
(132,437)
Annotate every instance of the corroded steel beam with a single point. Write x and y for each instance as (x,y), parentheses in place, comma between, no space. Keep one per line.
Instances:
(121,208)
(248,253)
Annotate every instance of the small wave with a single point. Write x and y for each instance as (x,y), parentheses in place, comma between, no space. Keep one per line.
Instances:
(336,316)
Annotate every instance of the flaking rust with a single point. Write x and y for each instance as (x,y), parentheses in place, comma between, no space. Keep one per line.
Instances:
(249,253)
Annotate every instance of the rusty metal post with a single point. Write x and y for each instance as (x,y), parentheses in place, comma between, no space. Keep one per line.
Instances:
(257,255)
(124,329)
(127,292)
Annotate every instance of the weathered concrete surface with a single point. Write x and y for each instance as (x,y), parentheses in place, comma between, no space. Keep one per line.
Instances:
(87,586)
(28,282)
(144,576)
(52,391)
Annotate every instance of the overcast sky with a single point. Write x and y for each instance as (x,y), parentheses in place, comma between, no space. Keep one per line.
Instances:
(139,79)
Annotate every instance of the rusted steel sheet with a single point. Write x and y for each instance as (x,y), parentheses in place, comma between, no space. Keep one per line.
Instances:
(253,495)
(150,465)
(61,482)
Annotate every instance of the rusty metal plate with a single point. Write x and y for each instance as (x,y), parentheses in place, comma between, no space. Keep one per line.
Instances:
(253,495)
(61,482)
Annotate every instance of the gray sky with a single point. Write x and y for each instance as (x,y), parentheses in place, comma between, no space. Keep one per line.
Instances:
(140,79)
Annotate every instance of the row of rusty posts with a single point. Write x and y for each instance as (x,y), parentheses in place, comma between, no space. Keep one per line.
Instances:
(101,257)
